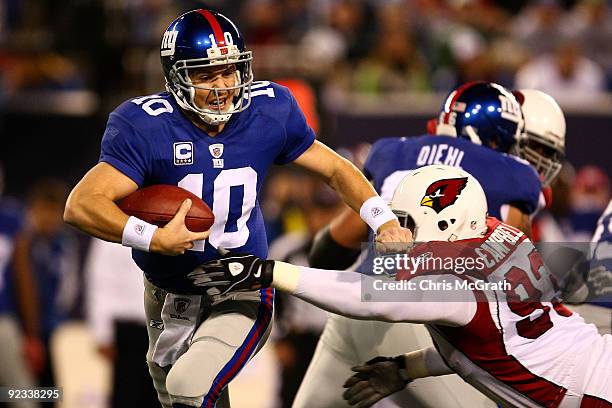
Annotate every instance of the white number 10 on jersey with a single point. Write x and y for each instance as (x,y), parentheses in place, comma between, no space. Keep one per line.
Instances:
(228,178)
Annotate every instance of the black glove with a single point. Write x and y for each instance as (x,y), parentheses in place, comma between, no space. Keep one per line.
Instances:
(377,379)
(233,272)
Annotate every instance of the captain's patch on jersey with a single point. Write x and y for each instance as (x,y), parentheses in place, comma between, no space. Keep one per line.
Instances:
(183,153)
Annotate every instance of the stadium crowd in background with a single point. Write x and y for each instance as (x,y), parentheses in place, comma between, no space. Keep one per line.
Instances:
(367,46)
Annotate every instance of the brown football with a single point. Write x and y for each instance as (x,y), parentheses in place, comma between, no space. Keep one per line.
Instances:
(159,203)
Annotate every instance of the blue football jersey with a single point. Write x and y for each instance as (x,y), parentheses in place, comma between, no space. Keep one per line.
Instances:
(151,141)
(54,261)
(602,251)
(505,179)
(10,223)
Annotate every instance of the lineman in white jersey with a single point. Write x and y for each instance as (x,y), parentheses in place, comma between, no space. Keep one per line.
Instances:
(346,342)
(515,343)
(542,143)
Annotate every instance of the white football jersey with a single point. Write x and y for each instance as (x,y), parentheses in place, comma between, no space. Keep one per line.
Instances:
(522,346)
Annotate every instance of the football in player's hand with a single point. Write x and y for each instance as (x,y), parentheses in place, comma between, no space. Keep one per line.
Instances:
(157,205)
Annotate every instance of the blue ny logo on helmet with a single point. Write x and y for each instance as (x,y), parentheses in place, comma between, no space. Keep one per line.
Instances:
(484,112)
(199,39)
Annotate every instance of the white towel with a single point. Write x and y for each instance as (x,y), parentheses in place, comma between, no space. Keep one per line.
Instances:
(180,316)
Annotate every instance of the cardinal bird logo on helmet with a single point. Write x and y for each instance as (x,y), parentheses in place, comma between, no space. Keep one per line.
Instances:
(443,193)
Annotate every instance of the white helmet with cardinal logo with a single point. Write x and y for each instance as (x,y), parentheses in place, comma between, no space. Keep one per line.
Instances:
(441,203)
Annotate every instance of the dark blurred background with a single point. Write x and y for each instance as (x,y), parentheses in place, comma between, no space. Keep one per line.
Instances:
(360,69)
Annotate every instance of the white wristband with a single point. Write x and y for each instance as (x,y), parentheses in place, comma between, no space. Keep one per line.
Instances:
(375,212)
(137,234)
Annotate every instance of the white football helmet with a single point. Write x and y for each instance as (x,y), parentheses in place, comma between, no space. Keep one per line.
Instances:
(543,141)
(441,203)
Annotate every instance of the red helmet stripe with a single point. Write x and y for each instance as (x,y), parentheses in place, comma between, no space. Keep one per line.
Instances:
(212,20)
(458,93)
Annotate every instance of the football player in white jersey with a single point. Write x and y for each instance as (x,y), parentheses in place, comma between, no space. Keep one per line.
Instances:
(346,342)
(507,335)
(542,144)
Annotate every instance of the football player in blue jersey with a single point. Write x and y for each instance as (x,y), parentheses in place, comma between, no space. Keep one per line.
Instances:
(215,132)
(588,286)
(599,278)
(17,359)
(478,125)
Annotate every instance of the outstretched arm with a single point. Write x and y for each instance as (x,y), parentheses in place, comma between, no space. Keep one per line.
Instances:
(341,292)
(336,291)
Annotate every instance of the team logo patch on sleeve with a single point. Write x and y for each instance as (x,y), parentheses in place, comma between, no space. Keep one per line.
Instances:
(443,193)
